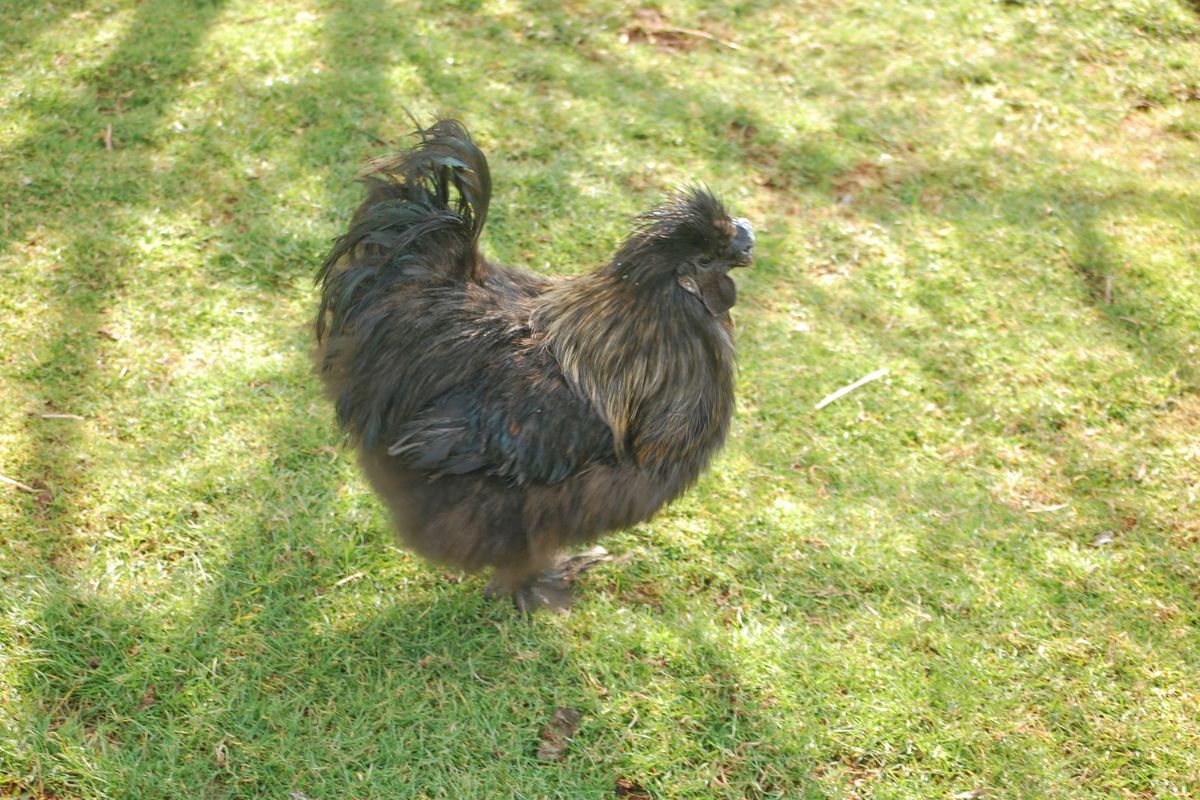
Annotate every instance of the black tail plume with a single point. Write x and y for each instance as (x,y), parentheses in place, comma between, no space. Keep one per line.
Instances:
(423,215)
(445,158)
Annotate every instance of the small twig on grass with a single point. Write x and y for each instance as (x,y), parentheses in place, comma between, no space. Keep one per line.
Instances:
(18,484)
(693,32)
(1048,509)
(845,390)
(651,23)
(61,416)
(1108,286)
(108,137)
(348,579)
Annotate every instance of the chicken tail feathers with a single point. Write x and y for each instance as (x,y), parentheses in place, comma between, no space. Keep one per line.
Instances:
(446,159)
(424,213)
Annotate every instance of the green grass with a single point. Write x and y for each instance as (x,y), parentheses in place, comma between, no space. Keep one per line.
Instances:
(977,575)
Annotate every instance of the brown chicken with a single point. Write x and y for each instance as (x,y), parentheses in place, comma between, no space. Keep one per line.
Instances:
(504,416)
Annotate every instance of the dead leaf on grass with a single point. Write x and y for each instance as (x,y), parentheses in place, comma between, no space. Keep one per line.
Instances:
(631,790)
(557,734)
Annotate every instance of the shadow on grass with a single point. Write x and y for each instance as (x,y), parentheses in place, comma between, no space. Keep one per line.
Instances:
(17,36)
(96,251)
(263,672)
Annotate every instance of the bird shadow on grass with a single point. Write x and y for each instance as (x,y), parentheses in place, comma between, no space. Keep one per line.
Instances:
(215,687)
(301,656)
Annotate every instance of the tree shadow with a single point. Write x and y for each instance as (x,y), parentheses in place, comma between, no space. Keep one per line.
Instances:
(97,255)
(27,22)
(261,668)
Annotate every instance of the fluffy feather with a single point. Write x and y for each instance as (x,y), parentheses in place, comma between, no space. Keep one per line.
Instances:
(501,415)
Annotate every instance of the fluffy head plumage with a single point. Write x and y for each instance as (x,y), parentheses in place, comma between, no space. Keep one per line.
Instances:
(655,319)
(690,233)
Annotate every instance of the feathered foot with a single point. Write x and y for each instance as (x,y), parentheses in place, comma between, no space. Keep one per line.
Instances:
(550,588)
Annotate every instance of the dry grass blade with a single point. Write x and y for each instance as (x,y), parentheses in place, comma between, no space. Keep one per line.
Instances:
(845,390)
(23,487)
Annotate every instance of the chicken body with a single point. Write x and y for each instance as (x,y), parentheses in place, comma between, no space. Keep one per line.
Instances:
(503,416)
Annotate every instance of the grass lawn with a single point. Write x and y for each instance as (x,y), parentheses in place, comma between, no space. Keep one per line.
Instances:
(976,577)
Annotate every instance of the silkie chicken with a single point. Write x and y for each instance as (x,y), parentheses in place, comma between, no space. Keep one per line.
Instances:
(504,416)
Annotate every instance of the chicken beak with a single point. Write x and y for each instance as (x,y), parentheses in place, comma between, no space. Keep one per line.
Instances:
(743,242)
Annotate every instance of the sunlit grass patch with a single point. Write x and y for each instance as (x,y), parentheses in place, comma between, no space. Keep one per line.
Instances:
(975,576)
